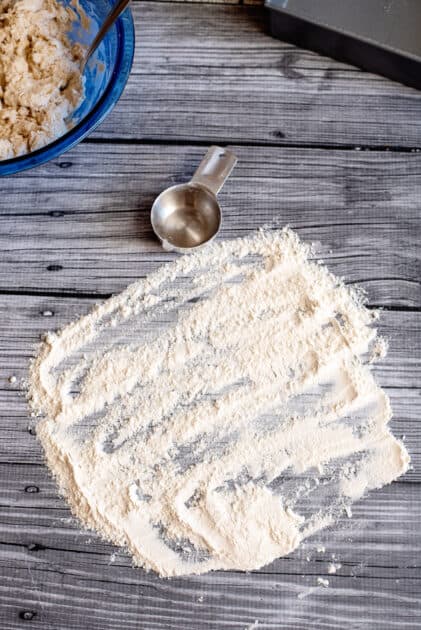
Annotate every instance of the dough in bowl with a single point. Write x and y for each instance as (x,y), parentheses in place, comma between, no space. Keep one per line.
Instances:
(40,79)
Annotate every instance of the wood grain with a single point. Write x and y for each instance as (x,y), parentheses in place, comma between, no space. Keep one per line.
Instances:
(70,577)
(212,73)
(81,223)
(77,229)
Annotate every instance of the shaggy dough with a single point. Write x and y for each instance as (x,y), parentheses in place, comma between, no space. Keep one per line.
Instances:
(218,412)
(40,80)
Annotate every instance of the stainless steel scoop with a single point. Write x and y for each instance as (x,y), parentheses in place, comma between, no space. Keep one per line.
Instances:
(187,216)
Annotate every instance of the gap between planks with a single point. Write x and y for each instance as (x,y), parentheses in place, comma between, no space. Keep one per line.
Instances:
(106,296)
(185,142)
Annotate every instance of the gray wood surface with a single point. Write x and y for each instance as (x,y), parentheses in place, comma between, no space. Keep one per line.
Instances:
(76,230)
(206,72)
(90,230)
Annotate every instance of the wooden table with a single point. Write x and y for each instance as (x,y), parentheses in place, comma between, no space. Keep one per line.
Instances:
(324,147)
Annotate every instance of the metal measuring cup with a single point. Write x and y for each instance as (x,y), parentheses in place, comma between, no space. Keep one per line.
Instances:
(187,216)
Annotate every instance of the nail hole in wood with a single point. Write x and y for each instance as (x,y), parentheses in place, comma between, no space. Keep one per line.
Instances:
(27,615)
(32,489)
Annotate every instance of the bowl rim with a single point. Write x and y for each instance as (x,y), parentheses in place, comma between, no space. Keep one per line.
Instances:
(110,97)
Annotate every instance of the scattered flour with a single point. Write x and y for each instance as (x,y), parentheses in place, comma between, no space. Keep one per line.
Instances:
(322,582)
(333,567)
(217,413)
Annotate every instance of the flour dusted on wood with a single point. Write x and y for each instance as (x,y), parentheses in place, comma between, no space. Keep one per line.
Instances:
(218,412)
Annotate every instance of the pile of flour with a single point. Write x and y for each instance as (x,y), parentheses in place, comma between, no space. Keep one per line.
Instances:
(218,412)
(40,79)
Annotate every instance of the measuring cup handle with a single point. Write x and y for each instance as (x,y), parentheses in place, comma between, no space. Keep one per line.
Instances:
(214,169)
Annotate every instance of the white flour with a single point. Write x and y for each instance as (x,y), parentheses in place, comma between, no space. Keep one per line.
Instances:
(218,412)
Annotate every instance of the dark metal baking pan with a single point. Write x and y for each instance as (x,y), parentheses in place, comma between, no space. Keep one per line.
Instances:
(382,36)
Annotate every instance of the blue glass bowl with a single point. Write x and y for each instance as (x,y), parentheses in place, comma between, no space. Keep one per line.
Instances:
(105,76)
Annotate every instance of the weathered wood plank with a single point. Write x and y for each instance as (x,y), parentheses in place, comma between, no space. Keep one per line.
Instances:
(32,513)
(212,73)
(218,604)
(378,582)
(81,223)
(24,318)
